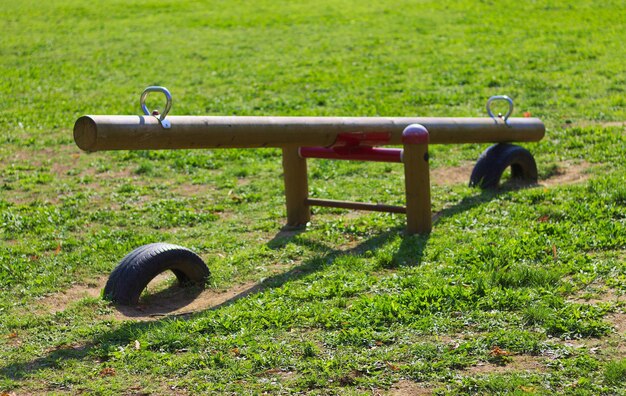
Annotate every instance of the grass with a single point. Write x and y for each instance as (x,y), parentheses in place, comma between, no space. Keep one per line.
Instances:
(518,290)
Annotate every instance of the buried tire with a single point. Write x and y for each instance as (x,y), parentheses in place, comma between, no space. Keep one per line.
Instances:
(139,267)
(496,159)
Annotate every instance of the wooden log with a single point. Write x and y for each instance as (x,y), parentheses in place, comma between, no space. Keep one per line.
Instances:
(102,132)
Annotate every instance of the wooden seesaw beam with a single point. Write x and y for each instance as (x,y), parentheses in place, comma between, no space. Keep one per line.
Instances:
(114,132)
(347,138)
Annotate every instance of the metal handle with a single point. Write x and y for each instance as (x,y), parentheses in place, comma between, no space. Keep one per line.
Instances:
(168,104)
(500,97)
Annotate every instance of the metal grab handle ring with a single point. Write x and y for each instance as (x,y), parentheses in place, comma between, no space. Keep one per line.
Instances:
(500,97)
(168,103)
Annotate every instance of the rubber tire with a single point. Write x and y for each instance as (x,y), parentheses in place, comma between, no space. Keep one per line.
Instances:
(496,159)
(131,276)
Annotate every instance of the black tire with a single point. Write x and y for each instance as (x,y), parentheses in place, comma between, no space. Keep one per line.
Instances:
(496,159)
(139,267)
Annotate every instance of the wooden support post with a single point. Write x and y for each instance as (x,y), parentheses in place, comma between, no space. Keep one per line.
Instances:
(296,187)
(417,179)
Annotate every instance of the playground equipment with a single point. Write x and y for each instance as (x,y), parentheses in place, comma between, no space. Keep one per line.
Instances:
(301,138)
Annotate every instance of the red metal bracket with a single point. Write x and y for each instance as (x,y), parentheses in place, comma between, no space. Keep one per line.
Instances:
(353,153)
(356,146)
(362,139)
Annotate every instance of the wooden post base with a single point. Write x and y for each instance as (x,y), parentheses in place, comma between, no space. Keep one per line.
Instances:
(417,180)
(296,187)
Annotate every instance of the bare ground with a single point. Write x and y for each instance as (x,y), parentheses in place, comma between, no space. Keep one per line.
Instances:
(59,302)
(517,364)
(451,175)
(584,124)
(569,173)
(162,298)
(603,296)
(177,301)
(566,173)
(618,320)
(409,388)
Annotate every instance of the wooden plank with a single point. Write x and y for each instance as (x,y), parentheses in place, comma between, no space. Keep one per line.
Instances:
(95,133)
(330,203)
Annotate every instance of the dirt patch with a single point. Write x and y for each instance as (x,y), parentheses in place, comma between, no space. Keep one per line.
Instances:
(277,374)
(61,169)
(451,175)
(191,190)
(584,124)
(597,293)
(406,388)
(60,301)
(162,298)
(620,350)
(618,320)
(517,363)
(610,347)
(59,159)
(614,124)
(568,173)
(177,301)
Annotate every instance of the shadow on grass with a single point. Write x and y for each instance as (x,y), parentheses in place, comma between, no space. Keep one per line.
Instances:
(411,251)
(162,302)
(510,185)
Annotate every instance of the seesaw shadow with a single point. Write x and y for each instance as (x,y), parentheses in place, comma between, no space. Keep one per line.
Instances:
(412,247)
(410,252)
(163,302)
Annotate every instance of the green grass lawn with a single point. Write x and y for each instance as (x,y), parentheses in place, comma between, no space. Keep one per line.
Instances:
(514,291)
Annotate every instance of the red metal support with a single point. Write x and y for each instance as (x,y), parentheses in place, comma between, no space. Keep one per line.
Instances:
(357,146)
(353,153)
(362,139)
